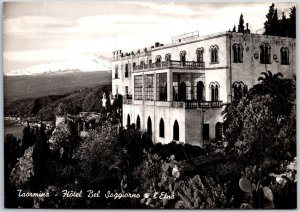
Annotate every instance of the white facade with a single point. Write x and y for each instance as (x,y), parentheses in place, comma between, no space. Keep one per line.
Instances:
(190,90)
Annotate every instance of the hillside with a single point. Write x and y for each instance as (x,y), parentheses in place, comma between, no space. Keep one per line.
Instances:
(34,86)
(87,99)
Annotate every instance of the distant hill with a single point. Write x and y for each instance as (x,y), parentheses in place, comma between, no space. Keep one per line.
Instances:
(87,99)
(88,63)
(54,84)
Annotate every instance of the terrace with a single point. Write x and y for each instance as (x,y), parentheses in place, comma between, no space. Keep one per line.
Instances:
(171,64)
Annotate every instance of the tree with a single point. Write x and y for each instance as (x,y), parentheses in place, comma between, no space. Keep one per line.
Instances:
(28,138)
(280,27)
(241,27)
(258,124)
(234,29)
(96,154)
(283,26)
(277,87)
(269,28)
(40,156)
(292,23)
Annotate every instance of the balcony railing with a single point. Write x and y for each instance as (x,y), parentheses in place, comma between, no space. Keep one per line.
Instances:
(189,104)
(127,101)
(203,104)
(171,64)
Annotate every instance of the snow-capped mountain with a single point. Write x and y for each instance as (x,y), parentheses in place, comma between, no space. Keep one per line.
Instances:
(83,64)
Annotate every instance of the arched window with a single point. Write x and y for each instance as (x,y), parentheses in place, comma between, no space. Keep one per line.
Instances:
(116,72)
(239,90)
(128,120)
(161,128)
(237,53)
(284,53)
(158,59)
(168,57)
(138,122)
(182,57)
(265,53)
(149,126)
(176,131)
(218,131)
(214,91)
(199,53)
(214,54)
(200,91)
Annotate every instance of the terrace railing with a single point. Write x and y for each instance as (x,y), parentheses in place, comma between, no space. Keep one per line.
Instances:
(171,64)
(189,104)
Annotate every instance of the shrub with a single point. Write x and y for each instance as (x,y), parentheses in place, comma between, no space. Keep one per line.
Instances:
(180,151)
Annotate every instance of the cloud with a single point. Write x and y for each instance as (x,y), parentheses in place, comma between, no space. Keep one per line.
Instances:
(36,33)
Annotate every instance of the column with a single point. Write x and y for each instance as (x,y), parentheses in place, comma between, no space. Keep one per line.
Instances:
(155,87)
(170,85)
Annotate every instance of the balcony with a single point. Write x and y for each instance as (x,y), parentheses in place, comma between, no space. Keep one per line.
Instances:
(188,104)
(128,99)
(170,64)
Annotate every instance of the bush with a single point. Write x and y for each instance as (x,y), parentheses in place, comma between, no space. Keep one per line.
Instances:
(180,151)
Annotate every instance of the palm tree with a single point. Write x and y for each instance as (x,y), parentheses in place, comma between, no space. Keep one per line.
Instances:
(273,85)
(279,89)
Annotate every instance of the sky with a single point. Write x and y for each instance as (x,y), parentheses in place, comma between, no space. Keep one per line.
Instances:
(53,32)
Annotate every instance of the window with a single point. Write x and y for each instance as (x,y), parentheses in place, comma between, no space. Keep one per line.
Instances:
(142,63)
(265,53)
(126,90)
(214,91)
(199,53)
(218,131)
(237,53)
(149,126)
(214,54)
(116,72)
(126,70)
(182,91)
(168,57)
(161,85)
(185,86)
(149,87)
(182,57)
(176,131)
(200,91)
(239,90)
(128,120)
(205,131)
(284,53)
(161,128)
(158,59)
(138,122)
(138,87)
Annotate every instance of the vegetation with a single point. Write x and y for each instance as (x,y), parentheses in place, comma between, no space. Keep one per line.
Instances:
(241,27)
(285,27)
(257,169)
